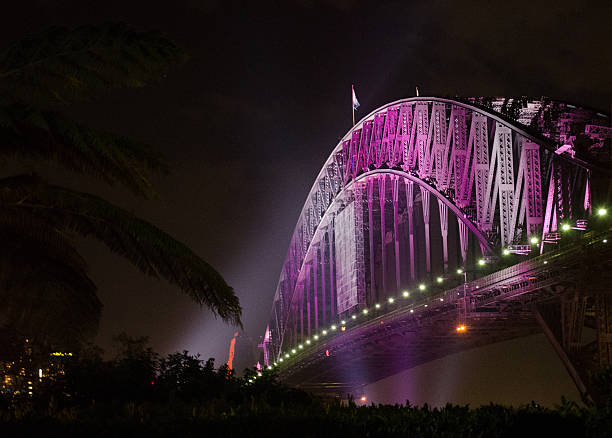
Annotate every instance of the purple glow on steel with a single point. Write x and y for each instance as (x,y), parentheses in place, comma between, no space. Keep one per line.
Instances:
(397,136)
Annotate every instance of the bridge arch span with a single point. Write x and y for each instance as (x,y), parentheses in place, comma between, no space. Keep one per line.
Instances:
(365,230)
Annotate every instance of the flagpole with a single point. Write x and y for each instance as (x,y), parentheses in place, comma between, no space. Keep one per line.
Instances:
(352,105)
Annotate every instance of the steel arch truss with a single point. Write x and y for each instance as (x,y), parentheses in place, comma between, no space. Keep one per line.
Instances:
(499,176)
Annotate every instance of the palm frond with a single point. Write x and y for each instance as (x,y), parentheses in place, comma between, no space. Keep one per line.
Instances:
(62,65)
(44,286)
(148,248)
(47,135)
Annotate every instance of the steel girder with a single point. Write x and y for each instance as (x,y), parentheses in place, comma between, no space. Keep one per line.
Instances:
(491,170)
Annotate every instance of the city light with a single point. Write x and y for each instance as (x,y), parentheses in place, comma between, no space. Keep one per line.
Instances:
(406,294)
(353,316)
(461,329)
(545,262)
(281,359)
(565,227)
(459,271)
(441,299)
(269,367)
(602,211)
(411,310)
(293,351)
(481,262)
(439,279)
(316,337)
(391,300)
(343,322)
(287,355)
(505,252)
(324,332)
(534,240)
(300,346)
(334,327)
(343,328)
(377,305)
(365,311)
(421,286)
(605,241)
(363,398)
(308,341)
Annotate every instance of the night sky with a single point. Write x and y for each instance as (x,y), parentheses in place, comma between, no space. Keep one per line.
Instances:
(247,123)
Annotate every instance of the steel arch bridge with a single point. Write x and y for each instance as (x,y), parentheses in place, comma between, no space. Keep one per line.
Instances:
(504,173)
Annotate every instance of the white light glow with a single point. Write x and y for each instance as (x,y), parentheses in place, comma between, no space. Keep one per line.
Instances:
(391,300)
(406,294)
(421,286)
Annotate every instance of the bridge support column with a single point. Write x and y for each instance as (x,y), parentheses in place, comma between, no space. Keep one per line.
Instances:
(443,209)
(315,293)
(382,199)
(395,232)
(370,189)
(410,207)
(332,282)
(463,240)
(323,298)
(308,293)
(302,312)
(425,205)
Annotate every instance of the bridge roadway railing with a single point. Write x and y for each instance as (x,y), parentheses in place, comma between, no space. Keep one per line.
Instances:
(524,277)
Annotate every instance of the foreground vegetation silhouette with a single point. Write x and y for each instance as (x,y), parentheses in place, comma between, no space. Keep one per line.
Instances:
(46,292)
(140,393)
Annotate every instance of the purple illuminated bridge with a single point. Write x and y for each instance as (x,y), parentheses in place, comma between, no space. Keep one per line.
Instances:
(438,225)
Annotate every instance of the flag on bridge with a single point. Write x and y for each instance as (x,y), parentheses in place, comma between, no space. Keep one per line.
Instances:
(355,101)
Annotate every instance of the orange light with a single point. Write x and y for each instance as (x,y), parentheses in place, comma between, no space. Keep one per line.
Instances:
(461,329)
(343,328)
(327,353)
(363,398)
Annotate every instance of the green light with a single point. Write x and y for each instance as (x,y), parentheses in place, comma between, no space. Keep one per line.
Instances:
(481,262)
(506,251)
(565,227)
(421,286)
(439,279)
(602,212)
